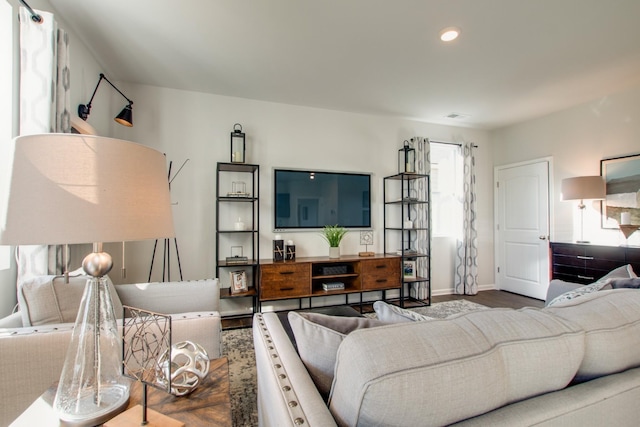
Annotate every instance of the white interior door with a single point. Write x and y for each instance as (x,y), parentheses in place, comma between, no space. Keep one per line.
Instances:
(522,228)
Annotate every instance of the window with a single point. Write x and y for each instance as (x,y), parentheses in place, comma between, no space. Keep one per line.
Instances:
(446,189)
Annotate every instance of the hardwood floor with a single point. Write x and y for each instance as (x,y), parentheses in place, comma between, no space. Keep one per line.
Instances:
(495,299)
(488,298)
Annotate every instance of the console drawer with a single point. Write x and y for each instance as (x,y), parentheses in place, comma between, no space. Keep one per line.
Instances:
(284,280)
(380,273)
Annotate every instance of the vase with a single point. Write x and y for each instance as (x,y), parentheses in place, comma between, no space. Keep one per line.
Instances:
(334,252)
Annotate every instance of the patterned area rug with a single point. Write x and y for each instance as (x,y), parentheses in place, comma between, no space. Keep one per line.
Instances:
(238,347)
(446,309)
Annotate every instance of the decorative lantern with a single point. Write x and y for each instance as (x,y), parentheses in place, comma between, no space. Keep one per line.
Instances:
(237,144)
(406,159)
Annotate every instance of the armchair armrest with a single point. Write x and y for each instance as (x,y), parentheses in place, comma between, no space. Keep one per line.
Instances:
(12,321)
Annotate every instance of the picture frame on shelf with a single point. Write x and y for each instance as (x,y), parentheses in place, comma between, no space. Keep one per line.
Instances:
(622,181)
(238,281)
(409,269)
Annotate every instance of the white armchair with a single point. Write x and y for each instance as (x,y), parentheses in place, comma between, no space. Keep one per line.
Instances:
(31,356)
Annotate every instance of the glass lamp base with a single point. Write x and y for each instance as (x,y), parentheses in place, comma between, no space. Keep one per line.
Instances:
(85,413)
(92,388)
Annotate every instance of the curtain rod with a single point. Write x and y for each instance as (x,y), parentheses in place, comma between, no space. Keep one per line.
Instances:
(34,16)
(449,143)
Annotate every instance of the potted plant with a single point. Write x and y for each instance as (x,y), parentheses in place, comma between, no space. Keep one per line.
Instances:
(333,234)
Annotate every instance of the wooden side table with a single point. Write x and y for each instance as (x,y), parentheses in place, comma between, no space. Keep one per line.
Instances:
(209,404)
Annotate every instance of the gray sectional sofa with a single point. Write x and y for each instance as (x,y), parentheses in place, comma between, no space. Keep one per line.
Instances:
(34,341)
(576,363)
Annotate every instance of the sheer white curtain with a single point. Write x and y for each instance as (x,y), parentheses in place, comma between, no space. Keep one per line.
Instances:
(422,214)
(44,107)
(466,266)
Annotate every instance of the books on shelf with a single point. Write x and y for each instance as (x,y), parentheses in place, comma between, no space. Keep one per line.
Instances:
(407,252)
(237,260)
(332,286)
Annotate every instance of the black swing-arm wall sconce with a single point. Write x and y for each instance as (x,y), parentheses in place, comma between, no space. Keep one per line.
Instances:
(125,118)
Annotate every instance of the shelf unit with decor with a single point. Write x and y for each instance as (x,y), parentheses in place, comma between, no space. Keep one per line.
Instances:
(407,232)
(237,197)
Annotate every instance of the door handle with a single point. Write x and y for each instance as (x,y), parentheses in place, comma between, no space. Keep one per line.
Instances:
(542,237)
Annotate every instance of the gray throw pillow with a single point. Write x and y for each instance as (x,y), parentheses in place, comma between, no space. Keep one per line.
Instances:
(633,283)
(48,299)
(318,337)
(623,272)
(390,313)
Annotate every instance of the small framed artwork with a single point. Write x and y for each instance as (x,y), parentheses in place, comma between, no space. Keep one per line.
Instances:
(409,269)
(238,281)
(622,203)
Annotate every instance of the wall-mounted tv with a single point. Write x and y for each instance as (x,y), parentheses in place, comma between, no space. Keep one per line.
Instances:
(306,199)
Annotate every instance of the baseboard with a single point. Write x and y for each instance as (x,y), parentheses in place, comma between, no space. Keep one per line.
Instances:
(441,292)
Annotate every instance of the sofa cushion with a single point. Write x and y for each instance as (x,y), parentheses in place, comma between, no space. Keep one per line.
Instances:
(602,283)
(318,337)
(611,320)
(452,369)
(631,283)
(48,299)
(172,297)
(390,313)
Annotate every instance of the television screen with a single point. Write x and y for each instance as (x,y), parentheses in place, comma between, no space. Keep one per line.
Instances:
(313,199)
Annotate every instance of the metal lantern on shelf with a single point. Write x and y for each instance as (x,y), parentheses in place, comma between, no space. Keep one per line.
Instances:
(406,159)
(237,144)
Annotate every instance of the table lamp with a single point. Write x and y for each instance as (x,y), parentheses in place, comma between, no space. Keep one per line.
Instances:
(581,188)
(70,189)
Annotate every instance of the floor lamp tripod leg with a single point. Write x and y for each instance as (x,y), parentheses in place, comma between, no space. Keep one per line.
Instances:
(175,243)
(153,257)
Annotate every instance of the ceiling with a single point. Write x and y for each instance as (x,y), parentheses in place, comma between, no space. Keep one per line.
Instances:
(515,60)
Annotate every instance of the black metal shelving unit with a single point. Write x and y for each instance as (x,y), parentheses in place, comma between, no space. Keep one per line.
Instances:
(406,198)
(228,199)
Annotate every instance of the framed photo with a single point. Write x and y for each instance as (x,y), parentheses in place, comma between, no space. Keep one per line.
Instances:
(622,178)
(409,269)
(238,281)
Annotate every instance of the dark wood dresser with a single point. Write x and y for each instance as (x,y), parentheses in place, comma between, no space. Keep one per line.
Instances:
(586,263)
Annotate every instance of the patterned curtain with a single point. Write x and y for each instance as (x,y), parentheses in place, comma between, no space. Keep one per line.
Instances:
(466,267)
(421,238)
(44,107)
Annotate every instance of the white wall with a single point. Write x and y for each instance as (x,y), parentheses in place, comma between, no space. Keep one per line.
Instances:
(577,138)
(196,126)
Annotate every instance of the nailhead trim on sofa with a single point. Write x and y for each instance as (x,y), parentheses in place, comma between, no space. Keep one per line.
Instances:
(295,411)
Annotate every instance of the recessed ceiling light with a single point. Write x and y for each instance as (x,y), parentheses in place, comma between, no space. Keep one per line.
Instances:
(449,34)
(457,116)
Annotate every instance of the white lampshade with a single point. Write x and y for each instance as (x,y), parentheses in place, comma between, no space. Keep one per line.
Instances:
(71,188)
(583,187)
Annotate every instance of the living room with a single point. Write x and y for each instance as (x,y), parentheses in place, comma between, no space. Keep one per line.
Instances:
(558,109)
(195,126)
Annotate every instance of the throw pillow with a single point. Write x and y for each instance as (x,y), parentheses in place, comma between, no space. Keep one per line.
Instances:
(318,337)
(48,299)
(633,283)
(623,272)
(390,313)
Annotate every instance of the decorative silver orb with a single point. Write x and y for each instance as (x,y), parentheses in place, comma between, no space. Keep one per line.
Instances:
(188,366)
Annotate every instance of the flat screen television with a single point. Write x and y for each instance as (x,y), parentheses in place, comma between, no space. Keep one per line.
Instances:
(306,199)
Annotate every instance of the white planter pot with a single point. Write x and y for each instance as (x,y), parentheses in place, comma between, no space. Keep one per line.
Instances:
(334,252)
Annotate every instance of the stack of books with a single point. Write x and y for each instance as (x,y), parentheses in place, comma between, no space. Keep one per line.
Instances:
(407,252)
(332,286)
